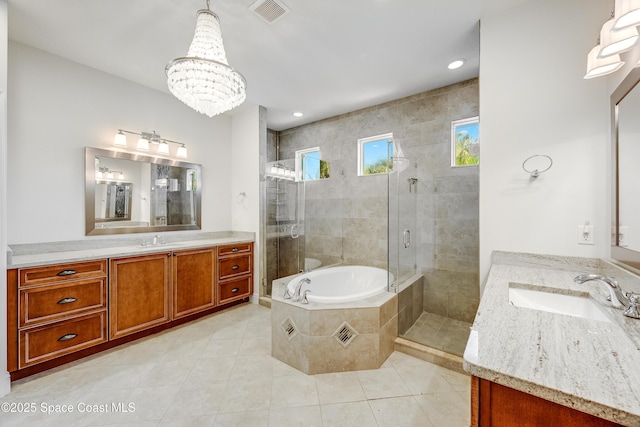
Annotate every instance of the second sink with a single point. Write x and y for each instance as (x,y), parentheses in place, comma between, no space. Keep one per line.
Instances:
(571,305)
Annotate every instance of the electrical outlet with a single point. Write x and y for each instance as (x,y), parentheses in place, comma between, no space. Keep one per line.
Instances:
(622,236)
(585,234)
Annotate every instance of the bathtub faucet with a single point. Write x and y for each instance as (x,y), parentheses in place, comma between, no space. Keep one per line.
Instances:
(296,293)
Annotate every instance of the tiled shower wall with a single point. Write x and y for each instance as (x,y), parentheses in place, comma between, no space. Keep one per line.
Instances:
(346,215)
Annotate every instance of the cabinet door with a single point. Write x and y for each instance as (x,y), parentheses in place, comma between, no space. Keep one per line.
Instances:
(193,281)
(139,293)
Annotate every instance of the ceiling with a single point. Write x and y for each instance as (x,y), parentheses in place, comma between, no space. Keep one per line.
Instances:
(324,58)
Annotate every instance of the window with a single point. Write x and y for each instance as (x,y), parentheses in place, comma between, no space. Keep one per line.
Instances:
(465,144)
(375,154)
(309,167)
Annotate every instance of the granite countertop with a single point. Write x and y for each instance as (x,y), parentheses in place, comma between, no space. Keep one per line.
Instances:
(35,254)
(589,365)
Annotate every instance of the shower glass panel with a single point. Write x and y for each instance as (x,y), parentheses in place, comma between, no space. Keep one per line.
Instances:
(403,188)
(285,221)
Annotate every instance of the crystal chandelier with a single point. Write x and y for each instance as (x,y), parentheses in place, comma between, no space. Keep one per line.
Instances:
(203,79)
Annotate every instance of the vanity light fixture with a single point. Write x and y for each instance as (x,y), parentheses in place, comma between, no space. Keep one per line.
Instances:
(182,152)
(597,67)
(298,114)
(627,14)
(153,138)
(203,79)
(613,42)
(163,147)
(143,144)
(120,139)
(106,174)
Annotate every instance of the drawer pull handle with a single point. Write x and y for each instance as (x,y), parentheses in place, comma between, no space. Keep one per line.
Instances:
(234,290)
(67,337)
(67,300)
(66,273)
(234,250)
(235,267)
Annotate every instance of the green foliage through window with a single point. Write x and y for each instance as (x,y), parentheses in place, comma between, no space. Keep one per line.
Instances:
(465,142)
(375,155)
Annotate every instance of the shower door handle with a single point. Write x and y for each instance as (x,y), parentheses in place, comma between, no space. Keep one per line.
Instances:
(294,231)
(406,238)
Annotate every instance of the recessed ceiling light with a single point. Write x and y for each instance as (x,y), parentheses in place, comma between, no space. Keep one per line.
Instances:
(298,114)
(454,65)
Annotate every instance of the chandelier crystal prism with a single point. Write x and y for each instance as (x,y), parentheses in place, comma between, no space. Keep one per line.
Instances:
(203,79)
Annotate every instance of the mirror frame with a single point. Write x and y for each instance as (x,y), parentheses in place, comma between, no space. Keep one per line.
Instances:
(90,191)
(628,257)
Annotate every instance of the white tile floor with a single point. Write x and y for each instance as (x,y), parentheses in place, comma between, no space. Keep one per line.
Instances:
(217,371)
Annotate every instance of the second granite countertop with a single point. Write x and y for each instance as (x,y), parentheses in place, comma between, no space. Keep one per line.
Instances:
(588,365)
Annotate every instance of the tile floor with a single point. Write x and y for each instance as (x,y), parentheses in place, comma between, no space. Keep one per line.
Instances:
(440,332)
(217,371)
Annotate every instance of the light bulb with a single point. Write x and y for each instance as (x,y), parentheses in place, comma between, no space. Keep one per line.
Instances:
(163,148)
(182,152)
(120,139)
(143,144)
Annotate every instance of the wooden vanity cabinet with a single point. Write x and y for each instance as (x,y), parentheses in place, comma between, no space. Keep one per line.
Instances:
(194,281)
(139,293)
(59,313)
(494,405)
(235,272)
(61,309)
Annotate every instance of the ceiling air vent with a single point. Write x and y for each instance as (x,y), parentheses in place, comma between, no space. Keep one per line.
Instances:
(269,10)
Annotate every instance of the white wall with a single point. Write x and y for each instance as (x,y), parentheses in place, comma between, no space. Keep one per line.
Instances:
(534,100)
(57,107)
(5,381)
(245,177)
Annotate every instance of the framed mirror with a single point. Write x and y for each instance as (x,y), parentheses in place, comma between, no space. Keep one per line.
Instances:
(625,111)
(133,193)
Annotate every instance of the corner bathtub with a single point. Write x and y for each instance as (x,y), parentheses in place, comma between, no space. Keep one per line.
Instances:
(342,284)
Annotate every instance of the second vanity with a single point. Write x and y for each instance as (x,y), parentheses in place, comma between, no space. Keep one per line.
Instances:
(531,366)
(67,300)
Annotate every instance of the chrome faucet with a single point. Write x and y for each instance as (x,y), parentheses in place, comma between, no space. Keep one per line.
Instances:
(618,297)
(304,297)
(296,293)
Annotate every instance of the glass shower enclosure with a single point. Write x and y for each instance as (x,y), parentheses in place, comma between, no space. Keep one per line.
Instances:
(285,206)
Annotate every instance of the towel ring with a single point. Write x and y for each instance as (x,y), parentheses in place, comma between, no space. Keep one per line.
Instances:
(535,173)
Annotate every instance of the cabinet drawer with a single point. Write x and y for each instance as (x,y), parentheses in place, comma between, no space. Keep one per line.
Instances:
(234,249)
(235,289)
(42,343)
(233,266)
(54,302)
(62,272)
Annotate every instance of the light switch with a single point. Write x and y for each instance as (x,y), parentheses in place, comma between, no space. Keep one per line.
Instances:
(585,234)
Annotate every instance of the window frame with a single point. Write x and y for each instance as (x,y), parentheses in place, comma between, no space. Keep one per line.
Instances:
(299,164)
(387,137)
(454,125)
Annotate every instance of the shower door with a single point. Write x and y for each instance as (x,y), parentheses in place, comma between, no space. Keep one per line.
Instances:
(403,233)
(285,224)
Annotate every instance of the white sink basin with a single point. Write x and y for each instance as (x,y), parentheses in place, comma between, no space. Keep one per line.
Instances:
(571,305)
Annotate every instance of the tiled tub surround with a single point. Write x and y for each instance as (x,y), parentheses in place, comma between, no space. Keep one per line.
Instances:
(322,338)
(35,254)
(588,365)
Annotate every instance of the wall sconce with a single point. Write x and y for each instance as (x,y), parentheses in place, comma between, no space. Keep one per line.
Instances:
(120,140)
(597,67)
(619,34)
(627,14)
(613,42)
